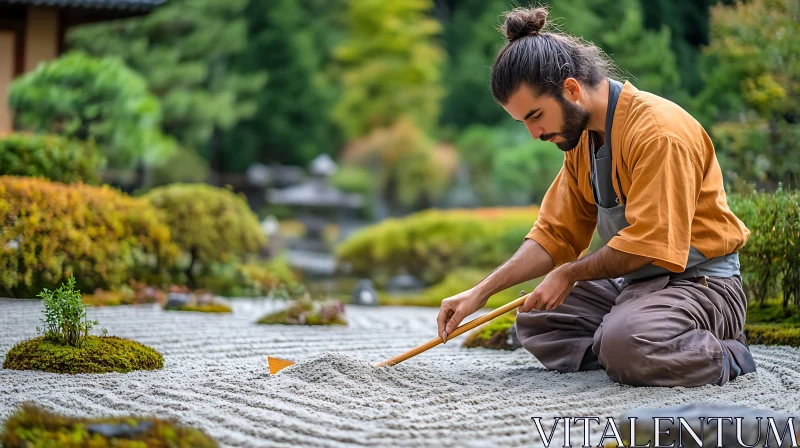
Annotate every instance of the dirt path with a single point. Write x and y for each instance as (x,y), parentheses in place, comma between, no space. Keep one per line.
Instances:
(215,378)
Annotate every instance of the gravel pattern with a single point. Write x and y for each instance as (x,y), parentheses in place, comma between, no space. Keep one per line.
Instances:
(215,377)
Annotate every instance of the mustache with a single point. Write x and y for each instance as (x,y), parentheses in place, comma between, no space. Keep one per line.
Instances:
(547,137)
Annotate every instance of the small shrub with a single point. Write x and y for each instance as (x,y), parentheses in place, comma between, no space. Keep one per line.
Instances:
(98,234)
(493,334)
(33,427)
(52,157)
(247,279)
(432,243)
(209,224)
(770,259)
(65,316)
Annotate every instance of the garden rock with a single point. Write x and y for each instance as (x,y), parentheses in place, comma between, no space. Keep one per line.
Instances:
(177,300)
(365,293)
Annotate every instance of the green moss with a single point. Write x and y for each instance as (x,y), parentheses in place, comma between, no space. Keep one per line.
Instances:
(455,282)
(308,312)
(204,308)
(96,355)
(771,311)
(773,334)
(34,427)
(493,334)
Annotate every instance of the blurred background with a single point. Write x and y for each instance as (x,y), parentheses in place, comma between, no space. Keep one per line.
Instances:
(246,145)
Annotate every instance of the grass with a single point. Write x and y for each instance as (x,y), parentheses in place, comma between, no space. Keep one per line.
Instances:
(34,427)
(772,324)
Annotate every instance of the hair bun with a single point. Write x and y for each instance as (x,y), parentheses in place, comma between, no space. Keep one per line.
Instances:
(522,22)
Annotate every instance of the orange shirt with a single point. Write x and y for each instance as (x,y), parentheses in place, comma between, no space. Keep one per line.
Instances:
(670,178)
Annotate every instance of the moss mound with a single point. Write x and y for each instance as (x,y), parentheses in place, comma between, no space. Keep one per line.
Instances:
(493,334)
(308,312)
(96,355)
(203,308)
(34,427)
(773,334)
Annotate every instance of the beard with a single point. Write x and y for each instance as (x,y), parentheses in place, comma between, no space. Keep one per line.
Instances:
(575,120)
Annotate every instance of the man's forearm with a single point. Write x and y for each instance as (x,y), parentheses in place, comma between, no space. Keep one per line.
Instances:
(605,263)
(529,262)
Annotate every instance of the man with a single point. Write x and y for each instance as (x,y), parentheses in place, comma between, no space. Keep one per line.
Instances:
(661,304)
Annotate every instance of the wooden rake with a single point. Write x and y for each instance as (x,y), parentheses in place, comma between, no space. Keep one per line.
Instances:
(278,364)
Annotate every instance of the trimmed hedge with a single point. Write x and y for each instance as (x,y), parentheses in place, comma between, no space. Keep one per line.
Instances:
(209,224)
(50,230)
(33,427)
(432,243)
(50,156)
(770,259)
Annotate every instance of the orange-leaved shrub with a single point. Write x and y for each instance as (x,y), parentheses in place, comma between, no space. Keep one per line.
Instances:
(50,230)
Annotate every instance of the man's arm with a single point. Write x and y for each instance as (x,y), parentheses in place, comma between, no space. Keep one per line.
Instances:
(529,262)
(605,263)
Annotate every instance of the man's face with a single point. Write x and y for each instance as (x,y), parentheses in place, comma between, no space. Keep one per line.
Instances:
(547,118)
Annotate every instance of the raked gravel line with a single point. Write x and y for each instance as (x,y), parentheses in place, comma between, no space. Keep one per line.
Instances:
(215,378)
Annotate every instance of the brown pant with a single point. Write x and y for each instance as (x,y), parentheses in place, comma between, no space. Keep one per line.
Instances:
(655,332)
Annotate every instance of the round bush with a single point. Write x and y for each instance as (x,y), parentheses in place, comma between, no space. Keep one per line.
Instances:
(432,243)
(52,230)
(50,156)
(212,224)
(96,355)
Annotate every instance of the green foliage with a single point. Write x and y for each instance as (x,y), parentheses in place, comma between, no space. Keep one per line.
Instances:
(493,334)
(432,243)
(204,308)
(248,279)
(184,166)
(308,312)
(753,90)
(50,156)
(86,98)
(51,231)
(33,427)
(184,50)
(353,179)
(291,124)
(210,224)
(506,166)
(770,259)
(65,315)
(96,355)
(773,334)
(390,66)
(455,282)
(411,171)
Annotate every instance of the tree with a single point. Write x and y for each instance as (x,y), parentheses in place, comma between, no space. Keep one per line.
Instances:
(87,98)
(184,50)
(389,66)
(753,90)
(292,123)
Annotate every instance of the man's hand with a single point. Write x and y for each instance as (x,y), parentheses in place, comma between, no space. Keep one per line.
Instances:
(454,309)
(551,293)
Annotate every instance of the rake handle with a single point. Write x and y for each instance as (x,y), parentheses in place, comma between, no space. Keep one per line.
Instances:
(463,328)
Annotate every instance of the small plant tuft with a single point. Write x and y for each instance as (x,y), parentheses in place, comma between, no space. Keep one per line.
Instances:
(65,316)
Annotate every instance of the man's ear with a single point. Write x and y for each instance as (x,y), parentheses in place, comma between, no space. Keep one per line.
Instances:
(572,89)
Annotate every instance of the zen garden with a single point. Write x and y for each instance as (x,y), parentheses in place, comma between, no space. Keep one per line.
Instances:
(218,217)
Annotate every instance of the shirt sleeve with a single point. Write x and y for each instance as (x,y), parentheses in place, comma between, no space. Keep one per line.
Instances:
(666,178)
(566,219)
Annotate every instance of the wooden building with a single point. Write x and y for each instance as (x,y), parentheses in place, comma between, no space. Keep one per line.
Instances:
(32,31)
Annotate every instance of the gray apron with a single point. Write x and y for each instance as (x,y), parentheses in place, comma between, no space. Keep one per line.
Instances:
(611,214)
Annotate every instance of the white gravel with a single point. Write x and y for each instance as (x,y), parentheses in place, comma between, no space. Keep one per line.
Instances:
(215,377)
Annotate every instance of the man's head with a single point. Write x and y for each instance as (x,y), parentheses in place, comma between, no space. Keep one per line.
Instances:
(541,78)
